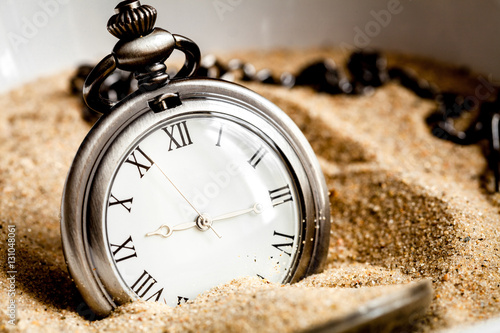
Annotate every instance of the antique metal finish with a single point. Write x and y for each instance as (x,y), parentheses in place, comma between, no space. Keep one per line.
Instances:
(132,118)
(83,229)
(141,50)
(132,20)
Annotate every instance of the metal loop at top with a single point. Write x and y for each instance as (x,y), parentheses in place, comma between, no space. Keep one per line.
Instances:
(142,50)
(93,83)
(192,53)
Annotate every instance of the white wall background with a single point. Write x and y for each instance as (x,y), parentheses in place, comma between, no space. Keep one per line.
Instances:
(39,37)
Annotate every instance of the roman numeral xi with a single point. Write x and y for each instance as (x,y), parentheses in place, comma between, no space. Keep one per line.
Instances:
(142,161)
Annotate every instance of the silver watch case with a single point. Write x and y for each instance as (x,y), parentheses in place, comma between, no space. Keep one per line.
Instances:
(82,227)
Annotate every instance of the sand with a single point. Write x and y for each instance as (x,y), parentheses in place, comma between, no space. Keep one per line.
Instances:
(406,207)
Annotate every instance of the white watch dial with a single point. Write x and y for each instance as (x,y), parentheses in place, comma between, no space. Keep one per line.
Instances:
(197,202)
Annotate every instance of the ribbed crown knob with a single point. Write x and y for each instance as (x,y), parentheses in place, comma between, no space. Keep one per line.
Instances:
(132,20)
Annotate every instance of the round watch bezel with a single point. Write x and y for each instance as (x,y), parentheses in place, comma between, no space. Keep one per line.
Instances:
(84,242)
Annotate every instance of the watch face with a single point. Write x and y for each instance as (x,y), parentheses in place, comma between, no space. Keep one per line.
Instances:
(162,205)
(199,200)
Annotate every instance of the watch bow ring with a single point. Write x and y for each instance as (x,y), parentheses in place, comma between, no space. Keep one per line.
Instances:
(142,49)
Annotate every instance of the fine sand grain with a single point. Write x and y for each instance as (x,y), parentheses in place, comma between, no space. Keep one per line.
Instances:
(406,206)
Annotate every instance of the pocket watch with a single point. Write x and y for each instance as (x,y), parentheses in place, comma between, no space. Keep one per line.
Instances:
(186,183)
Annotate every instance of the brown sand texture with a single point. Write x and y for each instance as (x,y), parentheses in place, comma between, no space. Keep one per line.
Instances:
(406,206)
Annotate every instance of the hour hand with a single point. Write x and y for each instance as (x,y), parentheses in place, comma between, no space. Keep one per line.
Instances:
(165,231)
(201,222)
(257,209)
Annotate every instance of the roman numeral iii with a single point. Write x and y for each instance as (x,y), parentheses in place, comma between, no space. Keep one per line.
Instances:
(280,195)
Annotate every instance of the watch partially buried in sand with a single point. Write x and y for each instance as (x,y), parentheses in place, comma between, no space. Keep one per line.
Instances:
(186,183)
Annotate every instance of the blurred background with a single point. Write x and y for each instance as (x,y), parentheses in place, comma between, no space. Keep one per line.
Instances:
(40,37)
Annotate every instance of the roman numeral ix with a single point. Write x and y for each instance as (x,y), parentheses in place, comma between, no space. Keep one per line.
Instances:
(128,250)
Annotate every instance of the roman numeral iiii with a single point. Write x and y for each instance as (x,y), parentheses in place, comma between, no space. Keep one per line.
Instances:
(287,246)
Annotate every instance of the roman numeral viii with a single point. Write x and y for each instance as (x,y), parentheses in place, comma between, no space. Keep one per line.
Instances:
(178,135)
(283,247)
(124,251)
(141,161)
(143,284)
(280,195)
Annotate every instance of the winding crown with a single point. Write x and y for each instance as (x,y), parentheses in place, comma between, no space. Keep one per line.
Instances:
(132,20)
